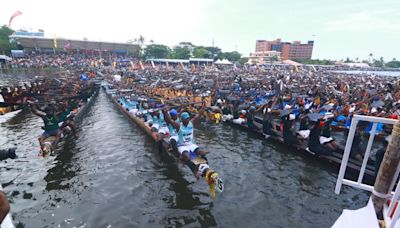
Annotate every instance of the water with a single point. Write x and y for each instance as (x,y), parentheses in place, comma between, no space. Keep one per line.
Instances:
(113,175)
(379,73)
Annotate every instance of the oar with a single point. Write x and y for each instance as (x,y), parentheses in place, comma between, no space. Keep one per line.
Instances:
(171,106)
(6,104)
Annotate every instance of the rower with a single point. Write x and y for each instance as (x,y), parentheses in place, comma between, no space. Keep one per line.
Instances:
(162,130)
(250,118)
(51,127)
(314,144)
(304,131)
(268,128)
(173,134)
(67,118)
(326,139)
(242,117)
(288,131)
(186,146)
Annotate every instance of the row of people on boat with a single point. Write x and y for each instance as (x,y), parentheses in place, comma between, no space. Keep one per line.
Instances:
(58,107)
(304,109)
(174,126)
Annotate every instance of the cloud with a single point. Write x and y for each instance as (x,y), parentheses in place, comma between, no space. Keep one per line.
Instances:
(366,21)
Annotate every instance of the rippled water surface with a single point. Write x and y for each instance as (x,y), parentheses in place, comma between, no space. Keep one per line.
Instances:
(112,174)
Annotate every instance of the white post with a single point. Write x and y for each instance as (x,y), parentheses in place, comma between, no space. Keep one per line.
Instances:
(346,155)
(367,152)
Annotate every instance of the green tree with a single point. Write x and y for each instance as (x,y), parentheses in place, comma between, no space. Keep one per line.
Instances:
(378,62)
(243,60)
(183,50)
(393,64)
(5,45)
(233,56)
(157,51)
(348,60)
(201,52)
(214,51)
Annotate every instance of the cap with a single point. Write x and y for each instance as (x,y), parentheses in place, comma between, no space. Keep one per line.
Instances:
(185,115)
(252,108)
(173,112)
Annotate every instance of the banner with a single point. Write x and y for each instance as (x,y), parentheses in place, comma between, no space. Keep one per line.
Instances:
(55,41)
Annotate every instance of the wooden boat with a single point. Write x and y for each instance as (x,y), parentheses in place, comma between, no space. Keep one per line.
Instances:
(9,115)
(7,222)
(48,142)
(334,158)
(211,177)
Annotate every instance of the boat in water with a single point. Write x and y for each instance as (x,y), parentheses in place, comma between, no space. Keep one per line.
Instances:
(77,114)
(126,107)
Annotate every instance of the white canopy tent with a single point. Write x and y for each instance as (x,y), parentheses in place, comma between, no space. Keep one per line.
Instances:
(4,57)
(223,62)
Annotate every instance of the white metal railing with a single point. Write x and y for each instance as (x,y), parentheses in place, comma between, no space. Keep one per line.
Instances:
(358,184)
(390,212)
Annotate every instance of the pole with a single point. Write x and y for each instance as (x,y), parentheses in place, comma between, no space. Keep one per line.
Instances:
(387,171)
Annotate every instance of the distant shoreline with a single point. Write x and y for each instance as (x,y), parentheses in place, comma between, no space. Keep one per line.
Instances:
(369,72)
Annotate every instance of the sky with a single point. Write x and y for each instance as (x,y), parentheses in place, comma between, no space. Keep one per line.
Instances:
(340,28)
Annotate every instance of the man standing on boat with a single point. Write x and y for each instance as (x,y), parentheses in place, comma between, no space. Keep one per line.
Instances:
(51,127)
(188,150)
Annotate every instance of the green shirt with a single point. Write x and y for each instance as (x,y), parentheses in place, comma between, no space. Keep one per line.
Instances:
(51,123)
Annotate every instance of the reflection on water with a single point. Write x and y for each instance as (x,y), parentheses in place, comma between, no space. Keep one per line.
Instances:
(113,175)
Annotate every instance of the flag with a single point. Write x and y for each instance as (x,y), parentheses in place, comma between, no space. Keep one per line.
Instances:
(132,65)
(55,41)
(141,65)
(16,14)
(67,45)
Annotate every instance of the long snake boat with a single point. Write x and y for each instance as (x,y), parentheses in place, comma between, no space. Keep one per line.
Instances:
(125,106)
(87,101)
(332,158)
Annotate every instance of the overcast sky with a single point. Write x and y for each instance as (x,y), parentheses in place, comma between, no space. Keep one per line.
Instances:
(340,28)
